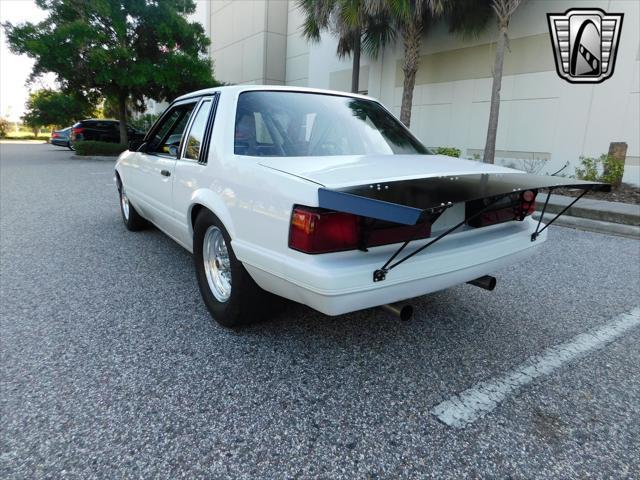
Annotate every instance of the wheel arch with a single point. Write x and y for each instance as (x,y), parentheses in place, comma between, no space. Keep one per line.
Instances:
(212,202)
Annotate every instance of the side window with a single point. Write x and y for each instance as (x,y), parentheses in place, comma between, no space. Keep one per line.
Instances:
(193,143)
(168,134)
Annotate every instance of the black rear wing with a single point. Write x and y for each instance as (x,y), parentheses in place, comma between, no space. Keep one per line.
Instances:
(411,202)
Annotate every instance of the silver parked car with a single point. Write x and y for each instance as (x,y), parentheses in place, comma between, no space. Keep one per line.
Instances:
(62,138)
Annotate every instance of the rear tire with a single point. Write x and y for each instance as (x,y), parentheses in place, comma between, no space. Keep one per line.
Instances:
(230,294)
(130,216)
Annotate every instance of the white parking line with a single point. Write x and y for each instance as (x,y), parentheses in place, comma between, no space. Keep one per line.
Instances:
(466,407)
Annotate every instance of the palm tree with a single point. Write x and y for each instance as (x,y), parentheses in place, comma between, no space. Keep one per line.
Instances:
(412,19)
(504,10)
(358,24)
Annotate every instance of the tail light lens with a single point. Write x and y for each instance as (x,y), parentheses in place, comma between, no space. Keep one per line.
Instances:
(77,131)
(315,230)
(55,135)
(528,203)
(513,207)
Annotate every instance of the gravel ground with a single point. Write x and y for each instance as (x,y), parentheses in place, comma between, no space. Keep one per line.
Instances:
(111,367)
(625,193)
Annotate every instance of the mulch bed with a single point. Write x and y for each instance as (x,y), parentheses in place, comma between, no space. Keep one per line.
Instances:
(624,194)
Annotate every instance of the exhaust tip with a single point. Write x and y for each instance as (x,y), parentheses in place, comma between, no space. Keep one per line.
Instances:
(406,313)
(403,311)
(487,282)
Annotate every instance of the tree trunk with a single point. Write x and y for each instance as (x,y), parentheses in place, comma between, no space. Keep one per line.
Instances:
(355,71)
(494,112)
(122,118)
(412,38)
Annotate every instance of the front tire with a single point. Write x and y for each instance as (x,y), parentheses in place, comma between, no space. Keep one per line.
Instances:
(230,294)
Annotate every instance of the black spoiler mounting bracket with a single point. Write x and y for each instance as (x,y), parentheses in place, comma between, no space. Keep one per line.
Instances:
(381,273)
(534,235)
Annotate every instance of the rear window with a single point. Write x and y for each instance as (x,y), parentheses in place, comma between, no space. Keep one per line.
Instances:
(292,124)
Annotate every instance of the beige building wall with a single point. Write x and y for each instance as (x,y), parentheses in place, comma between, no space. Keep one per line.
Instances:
(545,121)
(248,39)
(297,54)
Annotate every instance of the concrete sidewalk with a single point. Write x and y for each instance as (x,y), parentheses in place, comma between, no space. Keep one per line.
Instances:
(595,215)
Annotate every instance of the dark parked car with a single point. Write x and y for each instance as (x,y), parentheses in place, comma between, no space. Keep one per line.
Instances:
(101,130)
(61,137)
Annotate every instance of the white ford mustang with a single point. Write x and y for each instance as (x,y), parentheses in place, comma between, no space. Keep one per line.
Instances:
(323,198)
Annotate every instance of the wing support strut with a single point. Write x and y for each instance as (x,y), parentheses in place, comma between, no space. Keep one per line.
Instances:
(380,274)
(534,235)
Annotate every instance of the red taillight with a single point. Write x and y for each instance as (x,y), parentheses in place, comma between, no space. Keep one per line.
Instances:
(55,135)
(315,231)
(513,207)
(528,203)
(77,130)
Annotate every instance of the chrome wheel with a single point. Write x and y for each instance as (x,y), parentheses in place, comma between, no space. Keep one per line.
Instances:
(217,264)
(124,203)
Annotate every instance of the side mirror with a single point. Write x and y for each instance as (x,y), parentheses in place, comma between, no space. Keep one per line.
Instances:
(137,146)
(173,150)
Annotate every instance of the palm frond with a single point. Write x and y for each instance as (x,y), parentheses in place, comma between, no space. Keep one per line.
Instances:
(467,17)
(378,34)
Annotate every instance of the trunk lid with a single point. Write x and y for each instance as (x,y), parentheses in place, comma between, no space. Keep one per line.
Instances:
(343,171)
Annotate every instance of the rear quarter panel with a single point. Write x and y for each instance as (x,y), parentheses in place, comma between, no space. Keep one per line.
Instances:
(253,202)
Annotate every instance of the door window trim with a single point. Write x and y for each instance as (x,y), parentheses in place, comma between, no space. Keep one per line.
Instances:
(151,134)
(203,154)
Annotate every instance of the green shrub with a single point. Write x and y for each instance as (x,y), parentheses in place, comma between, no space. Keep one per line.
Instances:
(612,171)
(589,168)
(449,151)
(603,169)
(4,127)
(99,148)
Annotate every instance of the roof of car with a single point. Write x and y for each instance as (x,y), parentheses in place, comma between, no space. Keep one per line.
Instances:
(281,88)
(99,120)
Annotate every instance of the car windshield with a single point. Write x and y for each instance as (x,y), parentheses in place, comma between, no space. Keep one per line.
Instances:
(302,124)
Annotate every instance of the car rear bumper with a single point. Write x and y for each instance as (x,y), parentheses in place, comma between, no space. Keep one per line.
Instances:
(343,282)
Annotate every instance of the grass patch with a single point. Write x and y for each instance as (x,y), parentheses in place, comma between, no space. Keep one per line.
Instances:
(108,149)
(25,136)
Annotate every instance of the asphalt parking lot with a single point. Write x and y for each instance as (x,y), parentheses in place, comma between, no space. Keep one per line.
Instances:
(111,366)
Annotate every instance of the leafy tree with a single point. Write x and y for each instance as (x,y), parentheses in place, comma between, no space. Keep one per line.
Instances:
(120,49)
(111,108)
(504,10)
(49,107)
(144,122)
(358,24)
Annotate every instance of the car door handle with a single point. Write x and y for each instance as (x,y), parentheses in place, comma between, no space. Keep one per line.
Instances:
(165,173)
